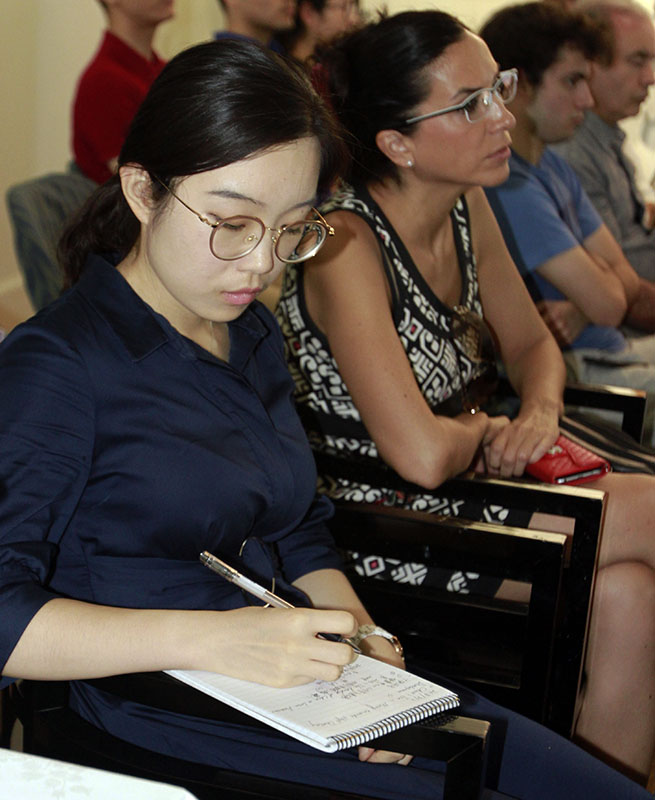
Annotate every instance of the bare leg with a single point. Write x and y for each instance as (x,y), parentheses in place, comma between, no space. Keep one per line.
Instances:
(629,530)
(617,716)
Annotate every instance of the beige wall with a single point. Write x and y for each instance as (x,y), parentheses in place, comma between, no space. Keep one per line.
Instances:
(44,45)
(472,12)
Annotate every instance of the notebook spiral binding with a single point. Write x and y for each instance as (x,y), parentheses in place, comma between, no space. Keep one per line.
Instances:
(394,723)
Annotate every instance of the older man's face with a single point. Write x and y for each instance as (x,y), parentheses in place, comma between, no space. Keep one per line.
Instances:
(620,89)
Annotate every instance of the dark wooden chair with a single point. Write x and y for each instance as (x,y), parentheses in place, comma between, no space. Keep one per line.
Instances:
(7,718)
(526,655)
(52,729)
(529,655)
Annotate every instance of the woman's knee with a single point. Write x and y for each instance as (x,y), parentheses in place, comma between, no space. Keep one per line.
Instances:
(625,489)
(629,527)
(626,592)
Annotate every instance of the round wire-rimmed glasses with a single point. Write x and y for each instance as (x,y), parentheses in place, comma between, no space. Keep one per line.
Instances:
(479,104)
(234,237)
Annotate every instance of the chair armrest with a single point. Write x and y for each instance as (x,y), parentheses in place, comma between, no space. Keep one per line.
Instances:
(509,552)
(581,503)
(629,403)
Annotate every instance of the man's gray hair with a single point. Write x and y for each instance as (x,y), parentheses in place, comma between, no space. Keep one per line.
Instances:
(604,12)
(603,9)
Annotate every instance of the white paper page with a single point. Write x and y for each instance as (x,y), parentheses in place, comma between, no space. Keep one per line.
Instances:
(367,692)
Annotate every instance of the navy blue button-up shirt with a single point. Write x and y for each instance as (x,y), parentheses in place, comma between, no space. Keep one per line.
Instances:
(126,450)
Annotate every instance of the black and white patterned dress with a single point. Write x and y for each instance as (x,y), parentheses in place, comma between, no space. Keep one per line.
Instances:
(424,325)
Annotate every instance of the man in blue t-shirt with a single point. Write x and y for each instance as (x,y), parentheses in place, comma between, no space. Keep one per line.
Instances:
(573,266)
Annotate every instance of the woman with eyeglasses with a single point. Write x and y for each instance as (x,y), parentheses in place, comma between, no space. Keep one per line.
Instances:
(387,333)
(147,416)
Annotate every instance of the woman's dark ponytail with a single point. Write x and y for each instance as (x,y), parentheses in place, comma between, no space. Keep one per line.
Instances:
(104,224)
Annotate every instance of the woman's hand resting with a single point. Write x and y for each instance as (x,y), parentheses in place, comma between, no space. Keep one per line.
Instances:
(273,646)
(509,447)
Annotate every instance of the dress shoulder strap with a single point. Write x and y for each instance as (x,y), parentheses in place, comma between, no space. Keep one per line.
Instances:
(358,201)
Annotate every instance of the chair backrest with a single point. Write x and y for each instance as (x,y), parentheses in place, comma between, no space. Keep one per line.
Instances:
(528,656)
(504,648)
(39,210)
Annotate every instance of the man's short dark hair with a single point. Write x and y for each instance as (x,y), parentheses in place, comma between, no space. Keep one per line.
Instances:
(530,36)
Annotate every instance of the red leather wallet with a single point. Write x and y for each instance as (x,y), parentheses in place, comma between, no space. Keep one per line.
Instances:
(568,462)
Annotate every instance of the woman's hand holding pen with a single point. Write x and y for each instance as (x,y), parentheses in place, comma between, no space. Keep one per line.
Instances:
(276,647)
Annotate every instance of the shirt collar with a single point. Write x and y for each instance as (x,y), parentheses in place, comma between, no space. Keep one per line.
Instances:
(518,164)
(142,330)
(603,131)
(128,56)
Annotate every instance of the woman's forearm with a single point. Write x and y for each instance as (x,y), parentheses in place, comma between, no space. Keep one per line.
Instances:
(329,588)
(538,376)
(69,639)
(434,448)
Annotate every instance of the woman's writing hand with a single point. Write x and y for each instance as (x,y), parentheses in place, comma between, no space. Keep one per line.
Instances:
(276,647)
(522,441)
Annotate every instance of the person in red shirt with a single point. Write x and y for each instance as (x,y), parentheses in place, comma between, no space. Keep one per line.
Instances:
(115,82)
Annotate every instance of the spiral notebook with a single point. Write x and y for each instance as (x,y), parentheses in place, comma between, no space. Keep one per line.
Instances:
(370,698)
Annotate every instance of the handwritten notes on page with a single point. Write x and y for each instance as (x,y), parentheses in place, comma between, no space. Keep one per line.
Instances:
(369,699)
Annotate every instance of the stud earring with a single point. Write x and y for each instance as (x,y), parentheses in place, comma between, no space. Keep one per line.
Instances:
(410,163)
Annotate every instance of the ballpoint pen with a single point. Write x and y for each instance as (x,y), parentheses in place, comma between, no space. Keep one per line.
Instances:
(250,586)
